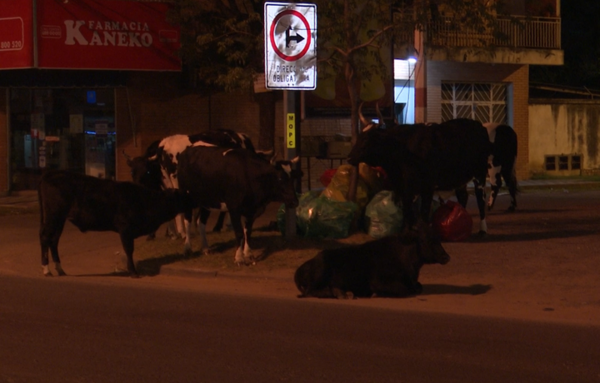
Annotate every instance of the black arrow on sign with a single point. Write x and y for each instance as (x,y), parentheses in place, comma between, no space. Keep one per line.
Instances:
(288,39)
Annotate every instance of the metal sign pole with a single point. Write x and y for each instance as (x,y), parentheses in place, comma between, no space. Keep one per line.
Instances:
(292,135)
(290,65)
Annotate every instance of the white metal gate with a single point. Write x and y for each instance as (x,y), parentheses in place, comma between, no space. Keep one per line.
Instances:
(484,102)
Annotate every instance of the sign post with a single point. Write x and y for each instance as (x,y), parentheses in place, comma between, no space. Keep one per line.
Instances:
(290,65)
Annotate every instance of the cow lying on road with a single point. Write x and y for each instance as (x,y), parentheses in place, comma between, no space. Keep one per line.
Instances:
(387,267)
(94,204)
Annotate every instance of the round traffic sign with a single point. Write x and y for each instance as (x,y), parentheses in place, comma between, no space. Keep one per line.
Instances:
(305,40)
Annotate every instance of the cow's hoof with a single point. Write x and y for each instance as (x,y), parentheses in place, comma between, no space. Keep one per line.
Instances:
(511,209)
(48,274)
(482,234)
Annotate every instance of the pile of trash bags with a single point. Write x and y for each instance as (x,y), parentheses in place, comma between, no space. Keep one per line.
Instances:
(327,214)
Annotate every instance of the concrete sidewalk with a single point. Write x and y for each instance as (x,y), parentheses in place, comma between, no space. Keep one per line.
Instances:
(29,198)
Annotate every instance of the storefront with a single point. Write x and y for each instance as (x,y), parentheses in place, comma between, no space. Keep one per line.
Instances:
(61,65)
(60,128)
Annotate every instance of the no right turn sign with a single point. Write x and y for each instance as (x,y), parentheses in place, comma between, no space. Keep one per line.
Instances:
(290,46)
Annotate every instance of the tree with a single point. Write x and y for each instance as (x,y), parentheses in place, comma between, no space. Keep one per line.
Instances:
(353,33)
(221,40)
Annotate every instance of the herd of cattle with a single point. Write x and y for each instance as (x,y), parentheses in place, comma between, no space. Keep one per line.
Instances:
(221,170)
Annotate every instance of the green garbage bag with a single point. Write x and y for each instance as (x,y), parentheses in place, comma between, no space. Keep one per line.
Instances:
(303,200)
(322,217)
(382,216)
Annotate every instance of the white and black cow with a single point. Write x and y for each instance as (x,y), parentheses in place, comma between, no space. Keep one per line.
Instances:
(241,180)
(503,161)
(94,204)
(157,168)
(387,267)
(422,158)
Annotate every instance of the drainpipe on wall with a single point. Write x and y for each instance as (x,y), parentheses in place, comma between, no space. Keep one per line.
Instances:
(8,152)
(420,78)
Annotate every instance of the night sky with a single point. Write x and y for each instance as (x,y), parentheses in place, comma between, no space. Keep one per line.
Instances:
(581,46)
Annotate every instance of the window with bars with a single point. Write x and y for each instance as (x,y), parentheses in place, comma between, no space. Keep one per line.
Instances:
(483,102)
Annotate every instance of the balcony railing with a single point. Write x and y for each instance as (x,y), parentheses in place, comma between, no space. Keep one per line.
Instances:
(507,31)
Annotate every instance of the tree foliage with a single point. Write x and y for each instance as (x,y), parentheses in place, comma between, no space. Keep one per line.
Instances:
(221,40)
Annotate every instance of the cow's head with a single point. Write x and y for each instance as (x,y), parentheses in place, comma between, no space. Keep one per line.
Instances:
(369,142)
(286,176)
(145,172)
(368,147)
(429,245)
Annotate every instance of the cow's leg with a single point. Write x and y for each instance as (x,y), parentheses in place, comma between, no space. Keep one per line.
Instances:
(462,195)
(426,199)
(220,221)
(393,288)
(408,212)
(196,219)
(127,242)
(181,226)
(510,177)
(248,256)
(240,237)
(204,214)
(50,233)
(496,183)
(480,197)
(171,231)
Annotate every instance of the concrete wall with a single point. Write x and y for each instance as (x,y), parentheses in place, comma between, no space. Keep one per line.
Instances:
(564,127)
(516,76)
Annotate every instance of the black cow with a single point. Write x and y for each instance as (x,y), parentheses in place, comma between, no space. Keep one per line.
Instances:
(239,179)
(386,267)
(422,158)
(502,163)
(94,204)
(157,168)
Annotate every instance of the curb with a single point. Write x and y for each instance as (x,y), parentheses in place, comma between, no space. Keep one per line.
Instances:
(205,273)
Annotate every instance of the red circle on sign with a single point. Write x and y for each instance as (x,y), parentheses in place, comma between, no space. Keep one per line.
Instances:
(272,35)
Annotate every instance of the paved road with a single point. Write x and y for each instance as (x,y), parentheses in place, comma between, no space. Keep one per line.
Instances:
(123,330)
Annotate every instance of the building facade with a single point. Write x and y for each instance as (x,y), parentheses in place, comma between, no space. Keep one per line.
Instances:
(72,109)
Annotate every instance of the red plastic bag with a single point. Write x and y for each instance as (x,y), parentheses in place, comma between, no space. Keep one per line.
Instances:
(327,176)
(452,222)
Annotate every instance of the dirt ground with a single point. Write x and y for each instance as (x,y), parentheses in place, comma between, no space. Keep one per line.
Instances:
(539,263)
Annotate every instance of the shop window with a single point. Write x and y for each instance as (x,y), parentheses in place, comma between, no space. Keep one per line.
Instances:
(61,129)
